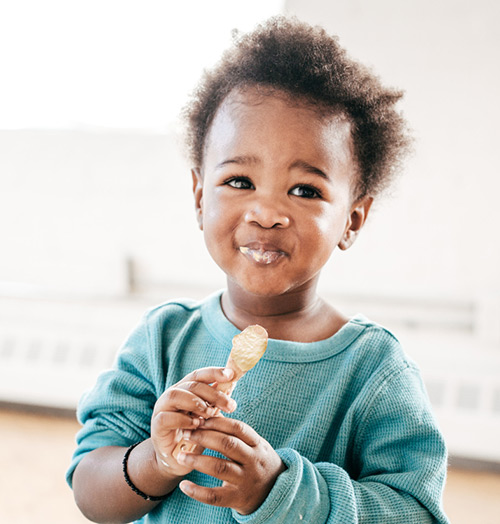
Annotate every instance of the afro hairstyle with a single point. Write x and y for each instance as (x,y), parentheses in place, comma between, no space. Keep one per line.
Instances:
(307,64)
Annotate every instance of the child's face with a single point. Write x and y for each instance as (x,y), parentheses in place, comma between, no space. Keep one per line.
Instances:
(275,194)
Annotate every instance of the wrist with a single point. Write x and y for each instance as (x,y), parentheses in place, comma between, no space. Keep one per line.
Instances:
(144,475)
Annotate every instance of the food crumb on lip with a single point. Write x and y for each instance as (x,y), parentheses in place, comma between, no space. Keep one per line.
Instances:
(261,256)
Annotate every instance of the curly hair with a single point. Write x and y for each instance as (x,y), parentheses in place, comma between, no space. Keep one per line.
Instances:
(306,63)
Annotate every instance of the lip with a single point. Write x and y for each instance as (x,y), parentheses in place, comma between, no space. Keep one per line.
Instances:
(262,253)
(263,246)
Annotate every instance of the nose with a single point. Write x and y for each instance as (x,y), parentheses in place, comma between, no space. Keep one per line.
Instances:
(266,214)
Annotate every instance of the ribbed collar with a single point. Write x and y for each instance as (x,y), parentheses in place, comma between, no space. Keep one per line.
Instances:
(283,350)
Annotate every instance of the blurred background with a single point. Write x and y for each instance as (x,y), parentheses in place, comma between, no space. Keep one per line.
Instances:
(97,222)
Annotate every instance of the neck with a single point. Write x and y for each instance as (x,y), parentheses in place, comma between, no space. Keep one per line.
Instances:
(299,315)
(261,306)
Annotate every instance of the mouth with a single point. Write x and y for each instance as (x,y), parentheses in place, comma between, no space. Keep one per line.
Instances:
(261,255)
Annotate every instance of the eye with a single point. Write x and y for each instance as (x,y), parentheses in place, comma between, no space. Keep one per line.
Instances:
(239,182)
(305,191)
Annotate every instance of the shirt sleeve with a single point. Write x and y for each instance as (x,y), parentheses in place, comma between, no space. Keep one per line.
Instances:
(117,411)
(400,468)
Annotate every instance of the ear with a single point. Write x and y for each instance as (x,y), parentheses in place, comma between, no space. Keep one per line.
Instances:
(198,195)
(357,218)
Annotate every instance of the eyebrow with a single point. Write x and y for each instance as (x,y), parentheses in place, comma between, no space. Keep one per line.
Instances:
(305,166)
(243,160)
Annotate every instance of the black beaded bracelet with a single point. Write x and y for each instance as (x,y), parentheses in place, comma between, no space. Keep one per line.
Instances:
(133,487)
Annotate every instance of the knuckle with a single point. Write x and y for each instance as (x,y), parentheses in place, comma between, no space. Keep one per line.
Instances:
(213,498)
(191,386)
(218,397)
(239,427)
(195,375)
(221,467)
(159,420)
(171,395)
(155,425)
(262,464)
(228,443)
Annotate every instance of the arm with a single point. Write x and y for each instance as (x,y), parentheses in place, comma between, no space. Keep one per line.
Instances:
(100,489)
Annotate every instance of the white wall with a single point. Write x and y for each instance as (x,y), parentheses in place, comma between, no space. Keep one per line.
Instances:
(75,205)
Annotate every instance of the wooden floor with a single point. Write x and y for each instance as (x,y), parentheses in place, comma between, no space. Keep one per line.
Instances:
(35,451)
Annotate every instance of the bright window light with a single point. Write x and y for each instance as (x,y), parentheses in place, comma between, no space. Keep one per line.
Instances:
(111,63)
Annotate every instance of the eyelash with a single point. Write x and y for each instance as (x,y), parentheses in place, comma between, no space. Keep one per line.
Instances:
(239,179)
(316,193)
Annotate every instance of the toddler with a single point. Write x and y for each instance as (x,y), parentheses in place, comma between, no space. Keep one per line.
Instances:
(291,142)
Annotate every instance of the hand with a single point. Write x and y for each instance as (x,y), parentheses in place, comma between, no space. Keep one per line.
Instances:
(184,407)
(247,476)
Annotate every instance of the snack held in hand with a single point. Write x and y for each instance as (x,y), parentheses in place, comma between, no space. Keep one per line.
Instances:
(248,348)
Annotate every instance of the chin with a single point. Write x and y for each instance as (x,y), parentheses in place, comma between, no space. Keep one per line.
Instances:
(265,288)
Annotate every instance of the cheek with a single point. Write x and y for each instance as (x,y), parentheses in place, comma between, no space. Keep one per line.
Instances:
(329,228)
(323,236)
(212,218)
(218,223)
(213,213)
(325,226)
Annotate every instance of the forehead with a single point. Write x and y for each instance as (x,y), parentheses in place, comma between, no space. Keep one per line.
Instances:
(253,117)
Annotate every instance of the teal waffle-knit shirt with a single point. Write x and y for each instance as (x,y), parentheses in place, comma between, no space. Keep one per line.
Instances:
(349,417)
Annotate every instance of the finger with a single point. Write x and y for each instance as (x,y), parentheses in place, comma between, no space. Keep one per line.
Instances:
(219,496)
(166,454)
(228,445)
(164,443)
(209,375)
(222,469)
(234,427)
(211,396)
(166,421)
(180,399)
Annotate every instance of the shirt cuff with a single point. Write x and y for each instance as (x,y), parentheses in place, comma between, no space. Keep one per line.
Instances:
(287,501)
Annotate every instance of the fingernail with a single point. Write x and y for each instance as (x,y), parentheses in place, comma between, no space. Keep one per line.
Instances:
(181,457)
(212,412)
(186,434)
(228,372)
(186,487)
(232,404)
